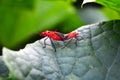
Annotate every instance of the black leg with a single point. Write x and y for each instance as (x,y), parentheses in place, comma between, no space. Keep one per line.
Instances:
(76,42)
(67,43)
(53,45)
(45,43)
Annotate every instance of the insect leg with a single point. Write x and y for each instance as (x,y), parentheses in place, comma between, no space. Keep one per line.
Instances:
(76,41)
(45,43)
(53,45)
(67,43)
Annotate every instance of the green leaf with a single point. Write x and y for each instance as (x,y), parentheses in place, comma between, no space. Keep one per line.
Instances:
(20,18)
(110,7)
(107,12)
(96,56)
(113,4)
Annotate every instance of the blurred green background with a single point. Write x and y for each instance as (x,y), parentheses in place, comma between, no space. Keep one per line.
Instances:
(21,21)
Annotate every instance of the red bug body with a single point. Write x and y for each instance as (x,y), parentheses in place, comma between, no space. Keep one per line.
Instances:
(53,35)
(71,35)
(58,36)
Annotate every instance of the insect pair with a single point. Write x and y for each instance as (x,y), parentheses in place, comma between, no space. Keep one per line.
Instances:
(54,35)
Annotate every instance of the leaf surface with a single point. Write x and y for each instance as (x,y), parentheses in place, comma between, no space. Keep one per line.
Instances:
(97,56)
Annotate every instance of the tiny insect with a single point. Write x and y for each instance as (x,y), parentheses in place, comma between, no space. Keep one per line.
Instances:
(59,37)
(52,35)
(70,36)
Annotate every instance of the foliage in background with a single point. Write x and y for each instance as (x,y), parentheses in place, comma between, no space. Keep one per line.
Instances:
(20,19)
(111,9)
(113,4)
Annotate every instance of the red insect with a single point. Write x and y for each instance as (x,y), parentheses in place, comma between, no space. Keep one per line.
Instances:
(58,36)
(52,35)
(70,36)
